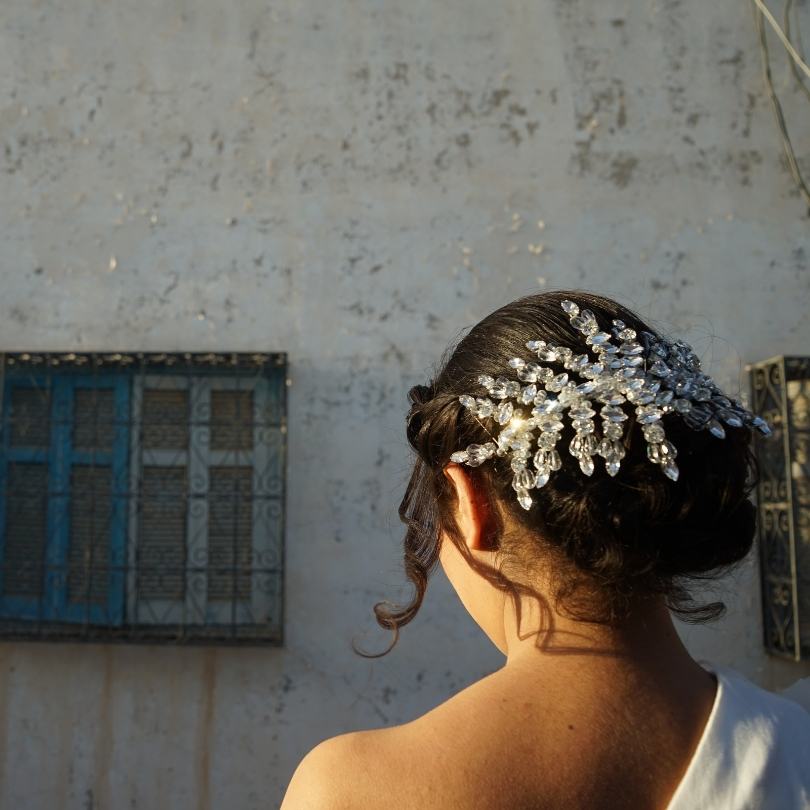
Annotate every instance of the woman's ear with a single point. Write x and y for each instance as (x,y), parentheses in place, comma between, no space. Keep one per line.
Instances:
(471,512)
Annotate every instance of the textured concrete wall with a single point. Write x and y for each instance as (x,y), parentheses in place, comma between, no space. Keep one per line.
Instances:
(354,182)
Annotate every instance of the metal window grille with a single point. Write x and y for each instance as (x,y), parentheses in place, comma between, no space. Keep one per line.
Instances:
(142,496)
(781,394)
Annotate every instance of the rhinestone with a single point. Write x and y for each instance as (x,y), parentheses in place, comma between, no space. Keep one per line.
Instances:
(521,444)
(684,388)
(664,397)
(550,423)
(528,372)
(631,348)
(668,449)
(612,467)
(524,499)
(546,407)
(549,355)
(523,480)
(486,407)
(589,443)
(546,441)
(542,479)
(583,426)
(586,387)
(476,454)
(597,339)
(730,418)
(613,413)
(645,415)
(513,389)
(716,429)
(617,323)
(702,394)
(554,460)
(654,452)
(697,418)
(498,389)
(613,430)
(586,465)
(459,457)
(504,413)
(517,362)
(670,469)
(557,383)
(517,464)
(627,334)
(582,411)
(570,307)
(486,381)
(761,425)
(660,368)
(585,324)
(682,405)
(528,394)
(541,459)
(654,432)
(467,401)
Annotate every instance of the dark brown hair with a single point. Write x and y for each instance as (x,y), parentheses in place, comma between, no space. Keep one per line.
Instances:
(610,541)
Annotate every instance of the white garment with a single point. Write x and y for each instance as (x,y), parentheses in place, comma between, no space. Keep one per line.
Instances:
(754,753)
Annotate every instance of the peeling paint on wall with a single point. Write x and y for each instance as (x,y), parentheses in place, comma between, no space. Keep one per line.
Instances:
(356,183)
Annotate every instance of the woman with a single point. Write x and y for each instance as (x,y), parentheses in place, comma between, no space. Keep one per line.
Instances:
(575,472)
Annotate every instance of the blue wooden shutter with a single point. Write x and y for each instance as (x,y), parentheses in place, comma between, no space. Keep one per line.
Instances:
(25,486)
(92,519)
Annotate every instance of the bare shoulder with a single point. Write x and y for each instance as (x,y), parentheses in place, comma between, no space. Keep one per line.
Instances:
(347,771)
(424,763)
(378,768)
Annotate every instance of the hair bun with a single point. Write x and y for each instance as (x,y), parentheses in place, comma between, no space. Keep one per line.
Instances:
(420,394)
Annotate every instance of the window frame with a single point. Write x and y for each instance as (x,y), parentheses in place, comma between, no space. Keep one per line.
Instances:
(49,616)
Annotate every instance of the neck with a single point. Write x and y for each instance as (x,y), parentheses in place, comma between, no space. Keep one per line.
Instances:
(550,643)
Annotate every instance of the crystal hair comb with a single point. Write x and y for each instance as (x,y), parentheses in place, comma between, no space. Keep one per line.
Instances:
(651,374)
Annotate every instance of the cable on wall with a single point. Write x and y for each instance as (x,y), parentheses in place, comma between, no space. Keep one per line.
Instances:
(761,14)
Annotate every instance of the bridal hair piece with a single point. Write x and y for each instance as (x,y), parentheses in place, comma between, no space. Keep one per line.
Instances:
(643,371)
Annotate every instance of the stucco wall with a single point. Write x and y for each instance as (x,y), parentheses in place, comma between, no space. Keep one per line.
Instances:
(355,182)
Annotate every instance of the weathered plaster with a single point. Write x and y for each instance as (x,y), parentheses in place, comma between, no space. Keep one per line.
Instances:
(354,182)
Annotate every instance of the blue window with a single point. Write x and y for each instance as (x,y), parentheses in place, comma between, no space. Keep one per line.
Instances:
(141,497)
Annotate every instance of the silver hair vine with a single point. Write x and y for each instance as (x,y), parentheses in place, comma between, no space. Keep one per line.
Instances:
(644,371)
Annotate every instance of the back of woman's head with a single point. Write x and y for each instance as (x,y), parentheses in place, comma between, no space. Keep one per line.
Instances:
(606,541)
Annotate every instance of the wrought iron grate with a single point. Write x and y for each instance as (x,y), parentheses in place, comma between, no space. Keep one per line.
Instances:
(781,394)
(142,496)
